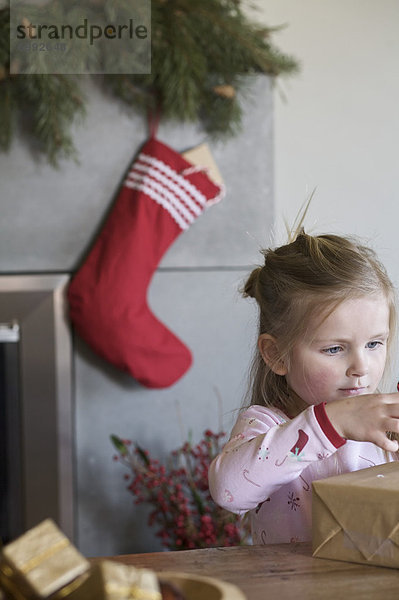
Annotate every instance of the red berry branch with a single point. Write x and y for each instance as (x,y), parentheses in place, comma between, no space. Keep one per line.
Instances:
(183,511)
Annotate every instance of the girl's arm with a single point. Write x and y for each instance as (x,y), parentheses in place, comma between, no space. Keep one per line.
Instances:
(264,453)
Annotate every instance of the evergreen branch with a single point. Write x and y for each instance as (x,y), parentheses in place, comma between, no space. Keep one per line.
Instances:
(257,53)
(199,48)
(52,102)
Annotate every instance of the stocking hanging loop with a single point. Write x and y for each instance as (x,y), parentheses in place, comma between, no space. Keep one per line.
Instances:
(154,117)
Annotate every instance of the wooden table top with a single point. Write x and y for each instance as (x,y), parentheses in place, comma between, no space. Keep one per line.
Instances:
(278,571)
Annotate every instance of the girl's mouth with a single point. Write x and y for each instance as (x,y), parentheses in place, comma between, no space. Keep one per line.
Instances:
(355,391)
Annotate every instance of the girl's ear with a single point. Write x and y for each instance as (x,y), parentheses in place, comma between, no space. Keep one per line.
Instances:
(268,348)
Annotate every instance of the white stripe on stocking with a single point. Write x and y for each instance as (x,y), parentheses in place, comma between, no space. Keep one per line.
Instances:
(143,179)
(159,164)
(159,200)
(176,189)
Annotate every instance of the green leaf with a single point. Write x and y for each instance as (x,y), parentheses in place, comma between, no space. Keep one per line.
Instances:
(143,455)
(119,445)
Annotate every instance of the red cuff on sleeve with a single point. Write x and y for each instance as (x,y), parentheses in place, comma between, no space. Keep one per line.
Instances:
(326,425)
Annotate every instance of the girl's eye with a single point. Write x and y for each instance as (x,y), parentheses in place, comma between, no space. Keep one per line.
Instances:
(373,345)
(332,350)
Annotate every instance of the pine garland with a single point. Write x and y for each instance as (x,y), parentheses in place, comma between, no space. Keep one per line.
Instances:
(201,51)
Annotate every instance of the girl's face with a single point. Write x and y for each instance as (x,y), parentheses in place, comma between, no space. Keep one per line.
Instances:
(343,356)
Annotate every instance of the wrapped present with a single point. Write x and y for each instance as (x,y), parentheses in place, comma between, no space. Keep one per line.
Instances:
(123,582)
(109,580)
(41,562)
(356,516)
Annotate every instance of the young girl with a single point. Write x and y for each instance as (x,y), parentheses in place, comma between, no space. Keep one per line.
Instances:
(327,322)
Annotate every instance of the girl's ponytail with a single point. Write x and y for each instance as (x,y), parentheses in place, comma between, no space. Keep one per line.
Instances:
(251,286)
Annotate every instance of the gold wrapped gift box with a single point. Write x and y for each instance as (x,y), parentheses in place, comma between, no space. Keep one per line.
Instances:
(109,580)
(121,581)
(356,516)
(42,563)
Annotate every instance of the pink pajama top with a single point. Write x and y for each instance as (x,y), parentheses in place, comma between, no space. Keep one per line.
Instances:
(268,465)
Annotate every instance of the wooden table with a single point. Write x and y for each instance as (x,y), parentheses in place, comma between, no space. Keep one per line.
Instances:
(280,571)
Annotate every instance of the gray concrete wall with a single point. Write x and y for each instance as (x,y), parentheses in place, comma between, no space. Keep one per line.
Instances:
(48,220)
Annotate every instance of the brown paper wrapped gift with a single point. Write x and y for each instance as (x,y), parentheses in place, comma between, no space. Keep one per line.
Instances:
(356,516)
(40,562)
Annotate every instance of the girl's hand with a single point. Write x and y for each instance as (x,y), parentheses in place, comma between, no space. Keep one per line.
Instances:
(366,418)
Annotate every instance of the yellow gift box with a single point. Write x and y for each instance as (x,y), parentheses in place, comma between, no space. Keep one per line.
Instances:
(356,516)
(123,582)
(41,562)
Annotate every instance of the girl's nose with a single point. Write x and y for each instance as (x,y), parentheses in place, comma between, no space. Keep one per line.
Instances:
(358,366)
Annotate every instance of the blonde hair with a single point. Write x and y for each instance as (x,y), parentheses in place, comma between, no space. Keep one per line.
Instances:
(310,276)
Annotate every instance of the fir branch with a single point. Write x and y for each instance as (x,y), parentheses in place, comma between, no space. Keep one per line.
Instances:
(200,48)
(53,102)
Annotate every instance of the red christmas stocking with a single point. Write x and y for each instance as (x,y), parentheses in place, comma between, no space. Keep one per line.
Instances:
(162,196)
